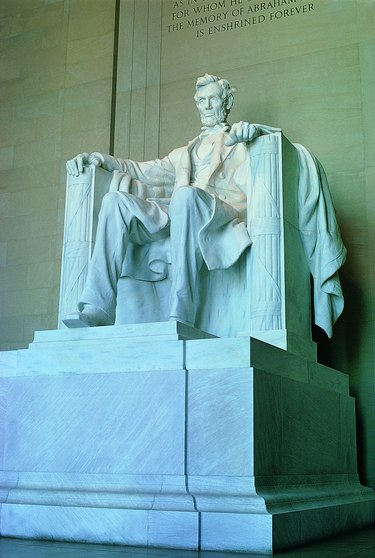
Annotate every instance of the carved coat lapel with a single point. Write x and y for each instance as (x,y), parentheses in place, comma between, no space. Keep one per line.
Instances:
(219,154)
(183,168)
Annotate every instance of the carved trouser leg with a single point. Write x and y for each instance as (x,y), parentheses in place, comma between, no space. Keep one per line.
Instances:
(123,218)
(190,209)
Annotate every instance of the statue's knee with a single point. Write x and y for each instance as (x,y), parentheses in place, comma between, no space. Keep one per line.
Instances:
(111,201)
(183,198)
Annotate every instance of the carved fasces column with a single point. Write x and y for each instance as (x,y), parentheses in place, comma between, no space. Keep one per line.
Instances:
(83,198)
(278,278)
(264,225)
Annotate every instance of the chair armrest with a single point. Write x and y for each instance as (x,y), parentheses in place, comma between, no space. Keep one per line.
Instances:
(83,199)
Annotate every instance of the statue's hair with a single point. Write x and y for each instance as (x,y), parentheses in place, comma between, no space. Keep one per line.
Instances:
(226,90)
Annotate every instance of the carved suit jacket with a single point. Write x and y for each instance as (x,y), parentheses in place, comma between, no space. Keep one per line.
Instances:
(224,237)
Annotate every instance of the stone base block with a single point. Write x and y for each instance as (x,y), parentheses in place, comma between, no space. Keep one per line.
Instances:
(167,529)
(268,533)
(158,435)
(262,533)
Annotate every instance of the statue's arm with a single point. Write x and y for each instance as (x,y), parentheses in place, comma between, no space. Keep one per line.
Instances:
(157,172)
(154,173)
(76,165)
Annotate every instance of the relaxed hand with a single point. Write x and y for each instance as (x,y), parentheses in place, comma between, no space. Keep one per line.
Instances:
(242,132)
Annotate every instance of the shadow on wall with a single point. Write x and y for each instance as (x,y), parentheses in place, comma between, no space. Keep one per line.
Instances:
(345,345)
(346,348)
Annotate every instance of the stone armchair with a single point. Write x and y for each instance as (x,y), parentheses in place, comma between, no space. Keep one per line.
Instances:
(265,295)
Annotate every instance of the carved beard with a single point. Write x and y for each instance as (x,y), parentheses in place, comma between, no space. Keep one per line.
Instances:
(218,116)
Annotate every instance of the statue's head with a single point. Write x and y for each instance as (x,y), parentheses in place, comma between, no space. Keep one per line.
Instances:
(214,99)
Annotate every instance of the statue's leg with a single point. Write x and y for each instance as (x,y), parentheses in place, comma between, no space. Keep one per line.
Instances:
(119,222)
(190,209)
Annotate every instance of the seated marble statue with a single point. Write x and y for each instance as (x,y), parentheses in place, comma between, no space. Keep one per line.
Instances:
(205,217)
(196,197)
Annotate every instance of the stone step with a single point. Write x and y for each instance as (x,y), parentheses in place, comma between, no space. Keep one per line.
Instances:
(160,330)
(159,346)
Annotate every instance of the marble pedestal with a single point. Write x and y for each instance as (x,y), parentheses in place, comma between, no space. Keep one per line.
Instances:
(149,435)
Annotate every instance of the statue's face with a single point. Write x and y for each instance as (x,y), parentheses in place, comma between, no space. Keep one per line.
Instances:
(211,105)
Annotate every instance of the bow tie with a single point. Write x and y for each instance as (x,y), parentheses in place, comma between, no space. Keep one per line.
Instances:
(217,129)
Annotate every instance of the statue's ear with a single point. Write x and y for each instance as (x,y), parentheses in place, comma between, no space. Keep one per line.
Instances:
(229,102)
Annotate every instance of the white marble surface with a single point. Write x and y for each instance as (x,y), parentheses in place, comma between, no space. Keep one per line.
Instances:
(99,443)
(221,400)
(263,534)
(159,331)
(97,423)
(102,350)
(103,490)
(237,532)
(244,351)
(97,357)
(287,340)
(120,526)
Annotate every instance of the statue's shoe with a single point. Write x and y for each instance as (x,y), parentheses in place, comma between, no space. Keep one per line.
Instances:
(90,316)
(77,319)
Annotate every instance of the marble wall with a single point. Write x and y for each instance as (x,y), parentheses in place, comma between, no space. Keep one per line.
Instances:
(56,65)
(304,66)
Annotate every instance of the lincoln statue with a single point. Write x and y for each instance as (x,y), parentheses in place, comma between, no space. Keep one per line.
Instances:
(196,197)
